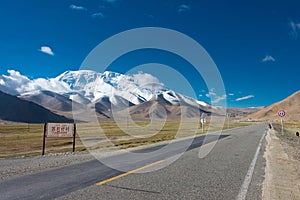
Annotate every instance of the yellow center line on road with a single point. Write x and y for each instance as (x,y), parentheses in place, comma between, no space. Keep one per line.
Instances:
(146,166)
(130,172)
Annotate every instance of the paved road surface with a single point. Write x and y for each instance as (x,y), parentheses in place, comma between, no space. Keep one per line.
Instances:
(219,175)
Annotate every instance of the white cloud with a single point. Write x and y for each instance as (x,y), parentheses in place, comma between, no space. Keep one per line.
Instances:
(211,93)
(145,79)
(149,16)
(217,99)
(11,83)
(140,83)
(75,7)
(230,94)
(183,8)
(111,1)
(16,83)
(45,84)
(245,97)
(46,50)
(295,28)
(98,15)
(268,58)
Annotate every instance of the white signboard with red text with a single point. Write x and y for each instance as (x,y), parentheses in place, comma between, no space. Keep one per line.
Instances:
(57,130)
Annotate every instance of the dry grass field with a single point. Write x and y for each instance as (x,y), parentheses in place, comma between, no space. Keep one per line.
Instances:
(289,127)
(292,127)
(17,140)
(26,140)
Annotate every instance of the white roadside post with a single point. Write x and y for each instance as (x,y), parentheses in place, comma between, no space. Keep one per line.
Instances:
(227,115)
(202,120)
(281,114)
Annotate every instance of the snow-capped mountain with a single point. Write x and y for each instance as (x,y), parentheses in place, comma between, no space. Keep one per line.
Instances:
(101,91)
(94,86)
(136,89)
(86,86)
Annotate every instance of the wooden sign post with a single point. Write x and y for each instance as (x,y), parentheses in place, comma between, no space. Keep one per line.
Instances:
(59,130)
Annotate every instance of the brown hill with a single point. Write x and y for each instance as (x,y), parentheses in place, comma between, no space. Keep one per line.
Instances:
(18,110)
(52,101)
(240,113)
(291,105)
(158,110)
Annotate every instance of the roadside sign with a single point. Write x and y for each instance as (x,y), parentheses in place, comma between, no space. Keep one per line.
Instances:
(59,130)
(281,113)
(202,120)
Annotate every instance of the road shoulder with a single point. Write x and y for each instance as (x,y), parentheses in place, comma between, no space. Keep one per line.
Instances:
(282,175)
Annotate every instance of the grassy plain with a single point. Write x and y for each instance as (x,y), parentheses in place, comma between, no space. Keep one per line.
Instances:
(18,140)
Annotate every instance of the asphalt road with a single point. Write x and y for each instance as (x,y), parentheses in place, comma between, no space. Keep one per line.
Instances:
(225,173)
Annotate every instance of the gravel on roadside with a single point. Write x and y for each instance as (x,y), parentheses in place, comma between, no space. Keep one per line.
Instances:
(282,173)
(291,143)
(11,167)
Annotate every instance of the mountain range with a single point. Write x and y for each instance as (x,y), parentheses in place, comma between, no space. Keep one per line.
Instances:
(141,95)
(78,91)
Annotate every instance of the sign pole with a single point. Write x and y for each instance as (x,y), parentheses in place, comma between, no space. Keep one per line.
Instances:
(282,127)
(74,137)
(281,114)
(44,139)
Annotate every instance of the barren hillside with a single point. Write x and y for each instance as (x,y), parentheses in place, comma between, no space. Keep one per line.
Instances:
(290,104)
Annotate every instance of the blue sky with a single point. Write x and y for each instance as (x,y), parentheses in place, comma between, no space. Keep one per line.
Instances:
(255,44)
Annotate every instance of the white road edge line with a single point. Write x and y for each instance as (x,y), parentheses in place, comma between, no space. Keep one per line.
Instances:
(244,189)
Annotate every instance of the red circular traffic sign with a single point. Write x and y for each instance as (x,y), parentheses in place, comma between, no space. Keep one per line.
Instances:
(281,113)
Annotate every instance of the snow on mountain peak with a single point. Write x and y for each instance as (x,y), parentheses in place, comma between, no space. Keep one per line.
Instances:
(135,88)
(77,79)
(90,86)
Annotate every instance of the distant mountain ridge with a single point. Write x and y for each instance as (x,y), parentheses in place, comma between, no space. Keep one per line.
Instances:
(52,101)
(17,110)
(290,104)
